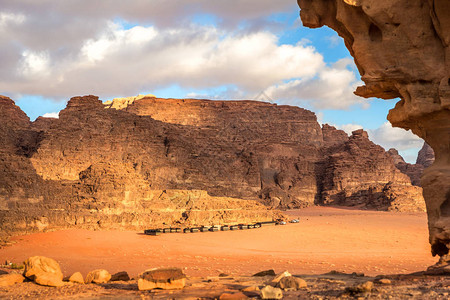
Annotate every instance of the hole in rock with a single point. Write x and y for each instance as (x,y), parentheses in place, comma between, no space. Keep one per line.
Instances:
(375,33)
(445,207)
(439,248)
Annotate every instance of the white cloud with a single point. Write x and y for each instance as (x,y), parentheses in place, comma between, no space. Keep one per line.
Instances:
(392,137)
(8,19)
(320,117)
(349,128)
(333,40)
(52,115)
(124,61)
(70,49)
(332,88)
(158,12)
(34,63)
(115,38)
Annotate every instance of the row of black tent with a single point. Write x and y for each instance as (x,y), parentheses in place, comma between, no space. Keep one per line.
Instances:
(158,231)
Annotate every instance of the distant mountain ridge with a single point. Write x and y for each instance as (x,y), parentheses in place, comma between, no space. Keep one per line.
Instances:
(109,158)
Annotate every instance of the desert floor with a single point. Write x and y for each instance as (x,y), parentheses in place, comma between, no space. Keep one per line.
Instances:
(325,239)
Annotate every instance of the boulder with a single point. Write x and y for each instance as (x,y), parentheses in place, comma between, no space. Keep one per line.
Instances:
(281,276)
(48,279)
(10,279)
(43,271)
(98,276)
(291,283)
(362,288)
(265,273)
(120,276)
(442,267)
(252,288)
(166,279)
(76,277)
(384,281)
(270,292)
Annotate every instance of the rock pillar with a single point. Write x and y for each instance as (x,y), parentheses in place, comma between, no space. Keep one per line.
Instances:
(401,49)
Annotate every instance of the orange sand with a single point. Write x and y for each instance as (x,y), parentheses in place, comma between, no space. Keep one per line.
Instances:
(325,239)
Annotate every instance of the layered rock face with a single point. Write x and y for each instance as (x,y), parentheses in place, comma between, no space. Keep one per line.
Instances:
(244,149)
(401,49)
(361,174)
(425,159)
(425,156)
(132,163)
(96,168)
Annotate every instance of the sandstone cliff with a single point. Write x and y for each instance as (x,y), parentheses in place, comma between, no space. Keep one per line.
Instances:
(132,163)
(402,49)
(361,174)
(84,170)
(414,171)
(426,156)
(240,151)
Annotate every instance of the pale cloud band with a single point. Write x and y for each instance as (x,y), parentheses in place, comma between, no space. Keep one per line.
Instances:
(111,48)
(90,50)
(125,61)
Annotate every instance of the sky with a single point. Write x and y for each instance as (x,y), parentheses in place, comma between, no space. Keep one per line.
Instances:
(210,49)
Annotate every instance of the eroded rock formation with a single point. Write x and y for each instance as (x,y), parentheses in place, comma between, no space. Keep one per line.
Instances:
(414,171)
(96,168)
(401,49)
(425,159)
(241,152)
(361,174)
(425,156)
(132,163)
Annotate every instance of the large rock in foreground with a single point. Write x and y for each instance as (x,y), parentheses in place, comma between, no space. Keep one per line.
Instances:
(166,279)
(10,279)
(402,49)
(43,271)
(97,276)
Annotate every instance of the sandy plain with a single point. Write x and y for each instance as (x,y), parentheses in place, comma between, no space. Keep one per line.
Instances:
(326,239)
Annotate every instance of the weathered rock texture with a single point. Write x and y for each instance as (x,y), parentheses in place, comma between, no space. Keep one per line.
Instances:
(425,159)
(241,149)
(401,49)
(97,276)
(139,162)
(426,156)
(414,171)
(43,271)
(360,173)
(166,279)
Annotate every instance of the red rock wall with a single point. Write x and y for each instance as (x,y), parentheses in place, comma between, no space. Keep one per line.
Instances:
(101,165)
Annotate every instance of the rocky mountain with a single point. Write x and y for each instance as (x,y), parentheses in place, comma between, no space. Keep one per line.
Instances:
(362,174)
(141,161)
(426,156)
(425,159)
